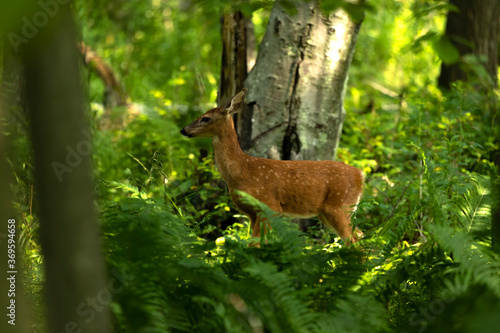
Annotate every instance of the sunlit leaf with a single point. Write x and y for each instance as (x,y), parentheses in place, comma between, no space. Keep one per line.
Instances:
(446,50)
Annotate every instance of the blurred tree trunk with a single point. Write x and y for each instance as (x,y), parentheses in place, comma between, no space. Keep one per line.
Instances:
(11,102)
(472,30)
(296,88)
(77,297)
(12,115)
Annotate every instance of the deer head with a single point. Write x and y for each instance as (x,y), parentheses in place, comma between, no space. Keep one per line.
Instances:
(216,121)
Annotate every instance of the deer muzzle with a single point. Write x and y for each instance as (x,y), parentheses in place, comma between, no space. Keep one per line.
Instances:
(183,132)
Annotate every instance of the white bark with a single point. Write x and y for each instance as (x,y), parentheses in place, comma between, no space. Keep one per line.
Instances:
(296,89)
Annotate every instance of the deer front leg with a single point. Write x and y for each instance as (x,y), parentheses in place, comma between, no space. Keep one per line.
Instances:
(255,225)
(252,215)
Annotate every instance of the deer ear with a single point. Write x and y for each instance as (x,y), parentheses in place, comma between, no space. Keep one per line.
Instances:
(237,102)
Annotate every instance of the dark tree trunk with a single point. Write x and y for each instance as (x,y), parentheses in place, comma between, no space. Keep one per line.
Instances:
(296,88)
(472,30)
(234,56)
(234,61)
(75,275)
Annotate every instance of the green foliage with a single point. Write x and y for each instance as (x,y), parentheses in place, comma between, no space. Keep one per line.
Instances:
(169,225)
(188,284)
(155,47)
(291,284)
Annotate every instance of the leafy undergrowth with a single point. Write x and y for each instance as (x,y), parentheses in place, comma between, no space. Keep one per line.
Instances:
(169,227)
(179,282)
(425,264)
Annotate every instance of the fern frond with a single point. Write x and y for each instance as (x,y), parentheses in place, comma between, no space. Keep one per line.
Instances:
(282,231)
(355,313)
(284,297)
(131,190)
(472,207)
(476,266)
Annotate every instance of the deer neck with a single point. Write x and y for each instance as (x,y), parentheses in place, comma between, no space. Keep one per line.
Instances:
(229,157)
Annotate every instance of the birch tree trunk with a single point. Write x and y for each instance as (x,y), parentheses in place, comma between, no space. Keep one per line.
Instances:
(296,88)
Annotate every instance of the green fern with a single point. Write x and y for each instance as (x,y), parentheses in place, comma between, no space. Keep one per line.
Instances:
(291,285)
(476,266)
(473,205)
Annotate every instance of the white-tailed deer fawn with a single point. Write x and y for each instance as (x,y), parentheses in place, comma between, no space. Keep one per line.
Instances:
(301,189)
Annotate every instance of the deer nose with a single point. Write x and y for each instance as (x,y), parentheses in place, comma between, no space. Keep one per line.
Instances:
(183,132)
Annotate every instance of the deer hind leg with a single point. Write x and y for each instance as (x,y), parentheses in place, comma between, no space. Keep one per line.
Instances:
(340,220)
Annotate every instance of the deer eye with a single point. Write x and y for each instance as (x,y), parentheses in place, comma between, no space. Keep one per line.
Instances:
(204,120)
